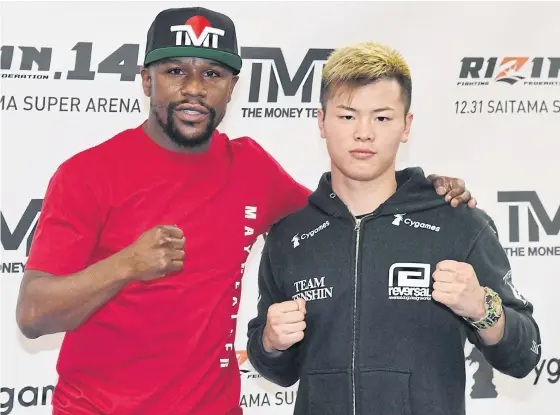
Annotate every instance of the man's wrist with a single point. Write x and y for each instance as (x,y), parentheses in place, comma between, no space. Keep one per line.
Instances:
(493,311)
(482,306)
(266,343)
(271,351)
(123,270)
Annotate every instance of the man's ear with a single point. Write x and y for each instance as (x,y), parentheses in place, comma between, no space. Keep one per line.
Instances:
(232,86)
(321,121)
(146,81)
(407,126)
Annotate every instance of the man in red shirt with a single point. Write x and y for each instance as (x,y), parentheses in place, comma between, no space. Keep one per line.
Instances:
(141,243)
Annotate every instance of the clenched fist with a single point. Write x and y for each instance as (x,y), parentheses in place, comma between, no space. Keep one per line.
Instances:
(156,253)
(285,324)
(457,287)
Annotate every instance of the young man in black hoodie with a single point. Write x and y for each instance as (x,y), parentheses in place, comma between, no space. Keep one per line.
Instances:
(369,293)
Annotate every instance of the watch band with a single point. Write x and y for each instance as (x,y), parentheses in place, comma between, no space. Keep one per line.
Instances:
(494,310)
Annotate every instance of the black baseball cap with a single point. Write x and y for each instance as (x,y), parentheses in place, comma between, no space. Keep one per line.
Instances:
(193,32)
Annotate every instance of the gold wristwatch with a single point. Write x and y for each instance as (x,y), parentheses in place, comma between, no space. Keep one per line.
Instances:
(494,310)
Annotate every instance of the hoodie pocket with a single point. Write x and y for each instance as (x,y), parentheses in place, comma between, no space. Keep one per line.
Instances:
(328,392)
(384,392)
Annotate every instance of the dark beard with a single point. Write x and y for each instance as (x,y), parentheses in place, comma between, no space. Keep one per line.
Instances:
(171,130)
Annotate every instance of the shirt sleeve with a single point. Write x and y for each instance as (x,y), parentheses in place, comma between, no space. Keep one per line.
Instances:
(519,351)
(68,225)
(285,195)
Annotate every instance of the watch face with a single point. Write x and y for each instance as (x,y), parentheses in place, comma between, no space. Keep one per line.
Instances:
(496,303)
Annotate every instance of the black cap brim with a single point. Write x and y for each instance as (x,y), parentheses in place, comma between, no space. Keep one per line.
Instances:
(229,59)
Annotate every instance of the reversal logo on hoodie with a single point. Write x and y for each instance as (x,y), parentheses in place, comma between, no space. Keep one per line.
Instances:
(409,281)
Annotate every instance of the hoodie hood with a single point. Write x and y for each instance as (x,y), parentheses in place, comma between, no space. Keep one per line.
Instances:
(414,193)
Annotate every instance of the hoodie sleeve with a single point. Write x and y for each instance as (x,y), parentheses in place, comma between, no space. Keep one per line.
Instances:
(280,367)
(519,350)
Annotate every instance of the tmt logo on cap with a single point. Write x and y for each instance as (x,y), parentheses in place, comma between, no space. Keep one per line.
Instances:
(204,34)
(197,31)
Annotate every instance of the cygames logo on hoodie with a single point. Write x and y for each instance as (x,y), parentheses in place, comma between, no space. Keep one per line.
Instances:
(399,218)
(297,238)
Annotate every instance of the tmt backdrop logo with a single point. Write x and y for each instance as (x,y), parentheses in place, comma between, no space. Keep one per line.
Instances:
(532,229)
(16,235)
(283,83)
(269,75)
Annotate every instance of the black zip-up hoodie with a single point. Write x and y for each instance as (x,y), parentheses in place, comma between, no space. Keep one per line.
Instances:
(375,342)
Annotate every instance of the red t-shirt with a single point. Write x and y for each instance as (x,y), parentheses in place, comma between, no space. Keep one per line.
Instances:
(163,347)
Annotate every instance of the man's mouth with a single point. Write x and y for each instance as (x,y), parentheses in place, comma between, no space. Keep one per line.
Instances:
(190,115)
(192,108)
(191,112)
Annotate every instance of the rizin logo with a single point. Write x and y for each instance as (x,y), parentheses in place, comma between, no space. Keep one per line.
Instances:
(531,71)
(197,31)
(509,70)
(398,219)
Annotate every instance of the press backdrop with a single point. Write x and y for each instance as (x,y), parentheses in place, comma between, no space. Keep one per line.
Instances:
(486,99)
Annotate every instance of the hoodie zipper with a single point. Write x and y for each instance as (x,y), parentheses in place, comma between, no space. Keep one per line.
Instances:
(357,229)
